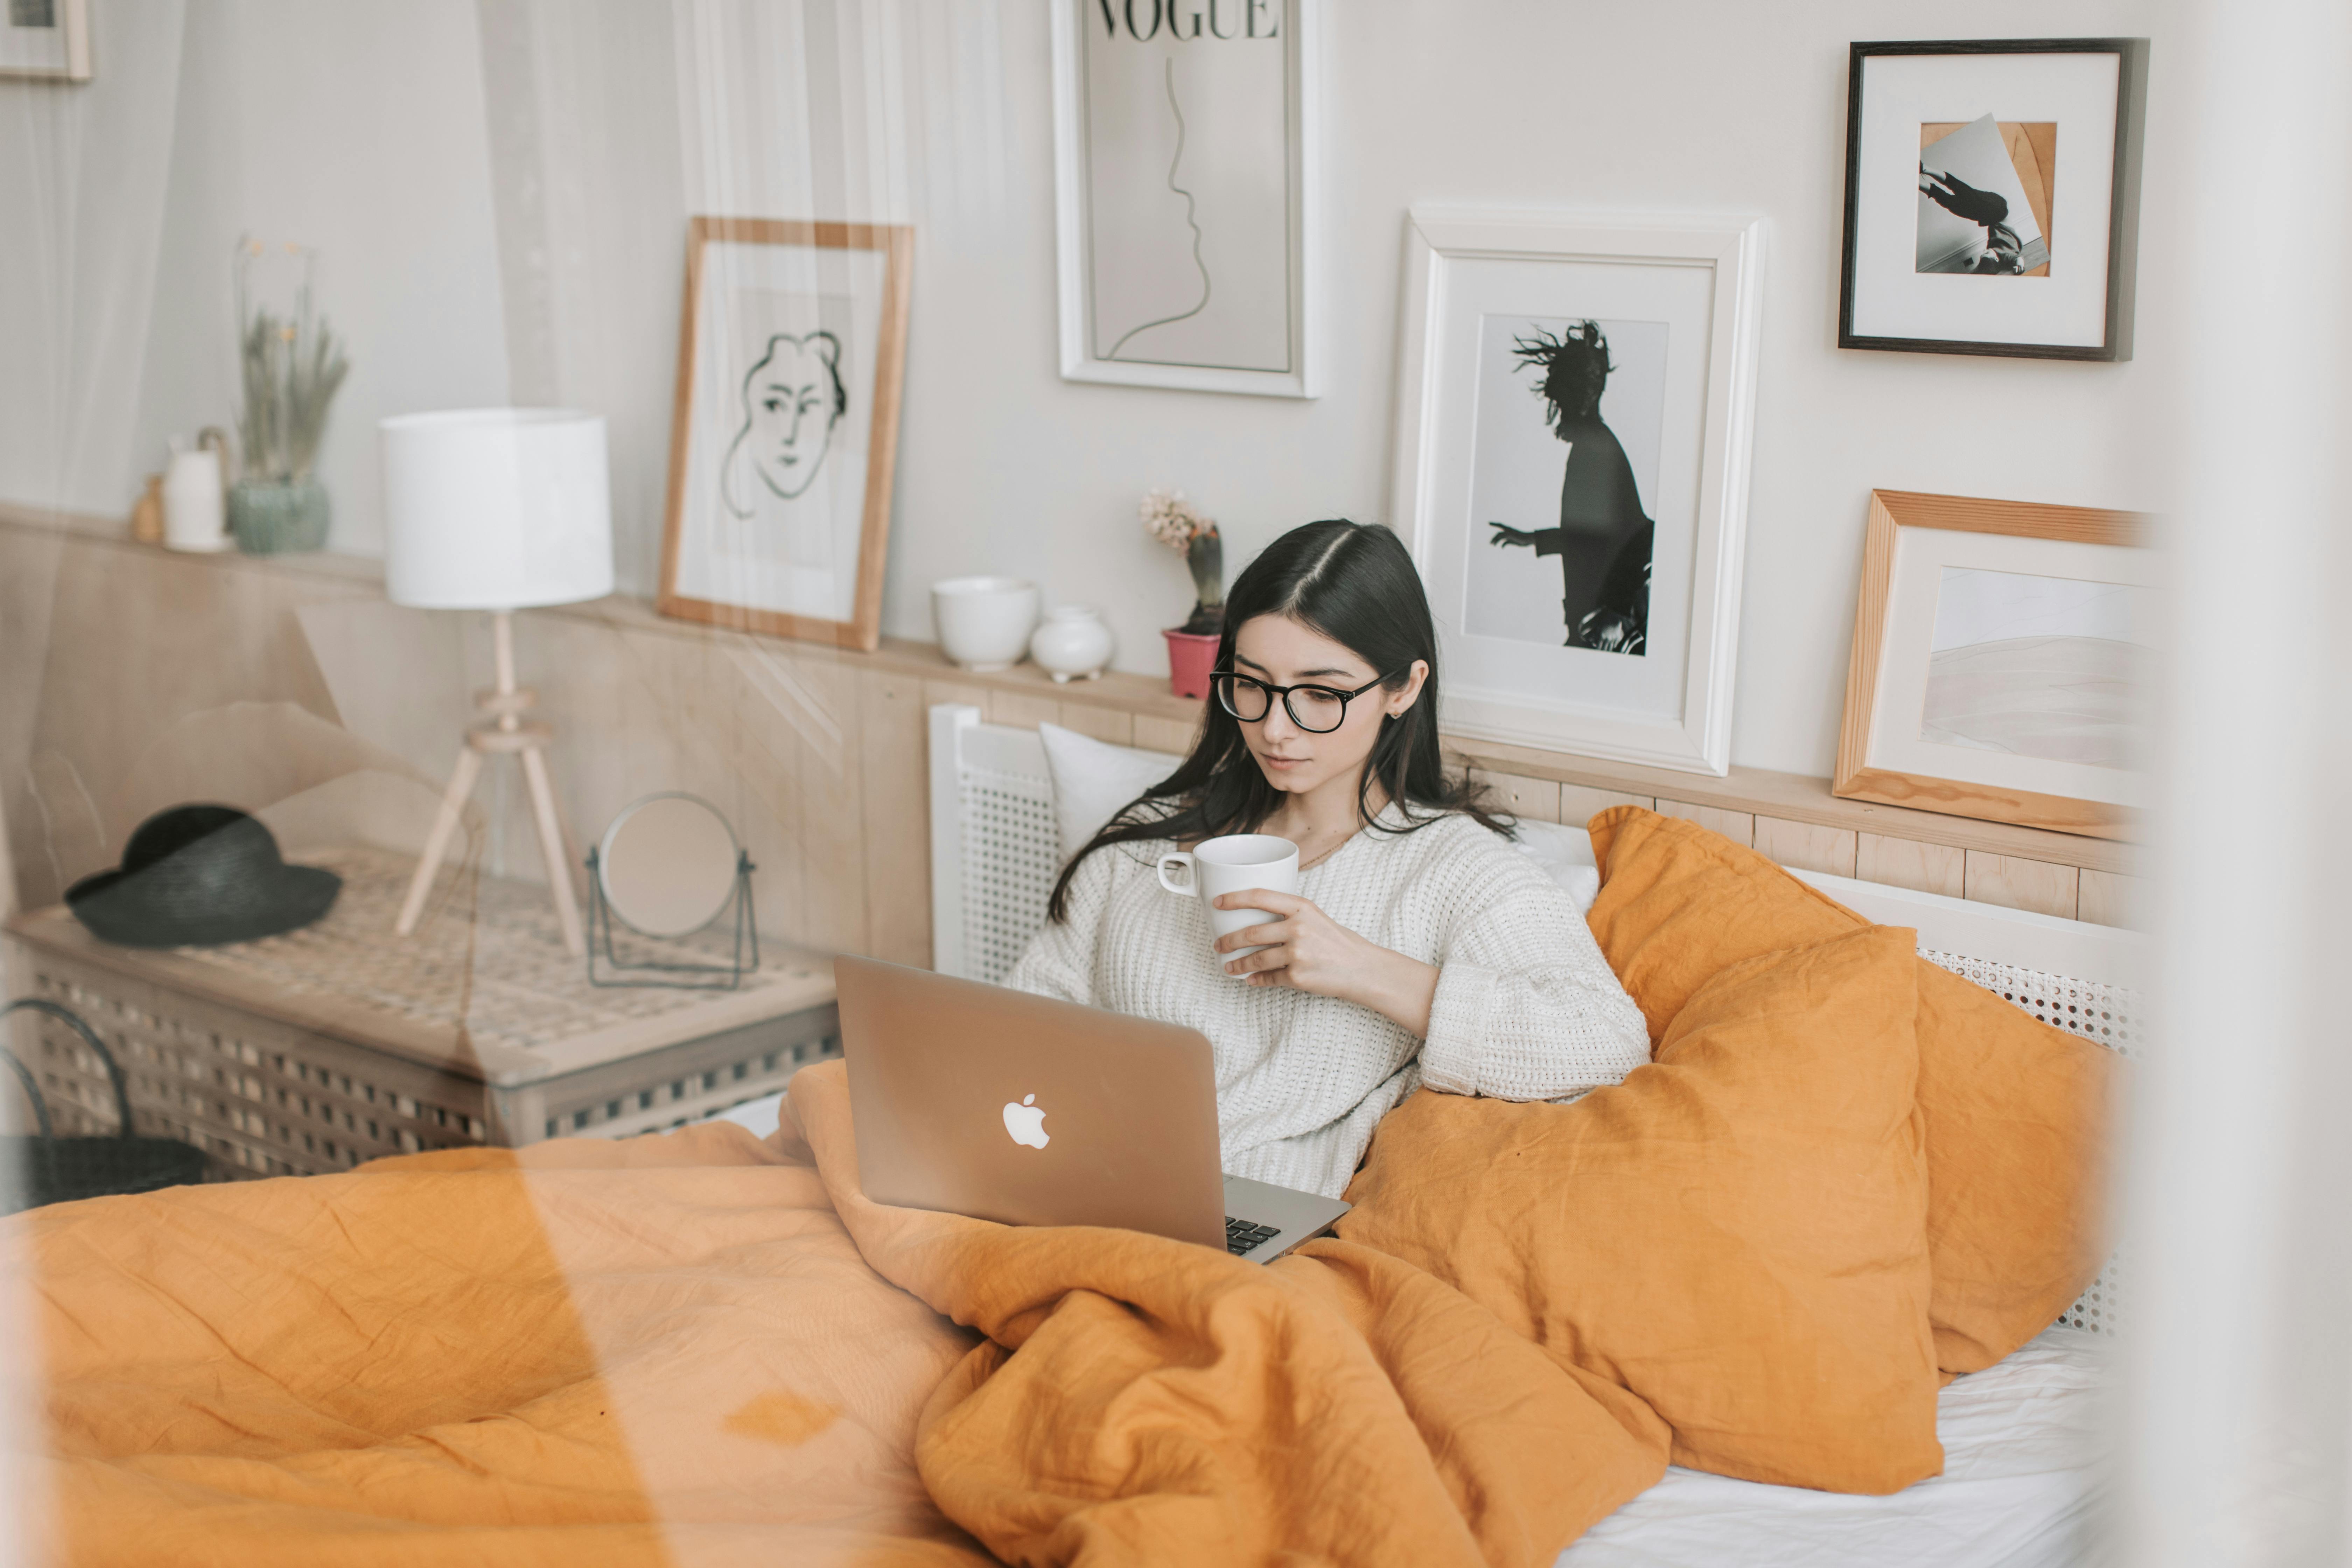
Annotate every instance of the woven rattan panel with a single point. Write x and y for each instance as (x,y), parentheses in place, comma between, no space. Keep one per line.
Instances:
(2110,1016)
(1011,854)
(260,1097)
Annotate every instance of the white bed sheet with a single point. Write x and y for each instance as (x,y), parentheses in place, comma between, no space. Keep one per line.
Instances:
(2023,1472)
(761,1115)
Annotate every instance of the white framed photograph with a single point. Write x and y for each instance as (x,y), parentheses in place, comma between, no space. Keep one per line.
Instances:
(1185,188)
(784,436)
(45,38)
(1574,413)
(2003,666)
(1993,196)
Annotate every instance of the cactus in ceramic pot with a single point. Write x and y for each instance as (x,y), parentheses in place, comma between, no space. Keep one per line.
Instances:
(1177,524)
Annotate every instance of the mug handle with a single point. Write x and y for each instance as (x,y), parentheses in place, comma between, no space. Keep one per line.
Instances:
(1191,867)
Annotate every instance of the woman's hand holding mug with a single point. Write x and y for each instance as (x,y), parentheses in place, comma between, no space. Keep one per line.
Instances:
(1234,863)
(1244,877)
(1308,951)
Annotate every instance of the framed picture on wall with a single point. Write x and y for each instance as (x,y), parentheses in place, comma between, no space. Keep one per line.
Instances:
(1573,423)
(1185,188)
(785,430)
(2002,663)
(1993,196)
(45,38)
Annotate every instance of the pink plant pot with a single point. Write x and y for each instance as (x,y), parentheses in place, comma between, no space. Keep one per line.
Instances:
(1190,657)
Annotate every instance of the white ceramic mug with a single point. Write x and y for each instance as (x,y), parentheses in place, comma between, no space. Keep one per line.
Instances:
(1236,863)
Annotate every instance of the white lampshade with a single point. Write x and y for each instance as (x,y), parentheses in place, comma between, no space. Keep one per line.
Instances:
(496,509)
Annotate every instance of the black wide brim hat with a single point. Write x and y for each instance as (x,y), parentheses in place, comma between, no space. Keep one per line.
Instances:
(198,876)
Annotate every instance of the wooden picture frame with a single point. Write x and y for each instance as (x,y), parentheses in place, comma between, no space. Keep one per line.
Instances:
(1187,243)
(2100,566)
(819,309)
(2085,98)
(52,45)
(1678,303)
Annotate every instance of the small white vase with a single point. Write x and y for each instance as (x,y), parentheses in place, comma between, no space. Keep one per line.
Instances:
(984,622)
(1072,644)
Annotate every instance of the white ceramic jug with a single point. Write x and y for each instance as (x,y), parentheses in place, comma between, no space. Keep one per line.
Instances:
(195,515)
(1073,643)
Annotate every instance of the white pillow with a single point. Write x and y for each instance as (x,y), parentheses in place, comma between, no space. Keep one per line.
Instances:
(1092,779)
(1566,856)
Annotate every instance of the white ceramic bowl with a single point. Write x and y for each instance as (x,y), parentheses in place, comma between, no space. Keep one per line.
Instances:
(984,622)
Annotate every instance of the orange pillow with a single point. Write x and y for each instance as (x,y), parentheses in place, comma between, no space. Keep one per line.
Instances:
(2016,1111)
(1734,1232)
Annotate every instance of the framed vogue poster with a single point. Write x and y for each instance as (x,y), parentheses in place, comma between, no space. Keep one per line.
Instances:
(2002,663)
(786,430)
(1572,451)
(1185,188)
(1993,196)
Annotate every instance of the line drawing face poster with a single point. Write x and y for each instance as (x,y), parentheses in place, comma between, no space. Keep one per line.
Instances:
(787,342)
(1188,176)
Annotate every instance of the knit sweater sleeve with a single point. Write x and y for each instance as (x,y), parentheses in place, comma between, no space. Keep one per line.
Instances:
(1060,960)
(1527,1008)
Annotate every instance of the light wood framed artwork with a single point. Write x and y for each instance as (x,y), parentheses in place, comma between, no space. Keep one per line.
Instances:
(2001,668)
(791,360)
(45,39)
(1575,400)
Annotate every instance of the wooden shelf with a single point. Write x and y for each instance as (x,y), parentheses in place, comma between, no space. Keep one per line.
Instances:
(1800,797)
(1792,816)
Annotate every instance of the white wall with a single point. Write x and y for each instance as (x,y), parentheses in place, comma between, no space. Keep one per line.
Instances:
(359,129)
(1712,105)
(500,191)
(82,177)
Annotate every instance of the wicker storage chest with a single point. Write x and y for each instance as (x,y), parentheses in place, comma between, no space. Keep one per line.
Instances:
(338,1043)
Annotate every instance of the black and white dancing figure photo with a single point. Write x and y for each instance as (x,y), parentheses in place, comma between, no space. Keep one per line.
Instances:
(1604,537)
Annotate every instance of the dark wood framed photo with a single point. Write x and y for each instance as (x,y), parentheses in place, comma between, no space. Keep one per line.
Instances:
(785,434)
(1993,196)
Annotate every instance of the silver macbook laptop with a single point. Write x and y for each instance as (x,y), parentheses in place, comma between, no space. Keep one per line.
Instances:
(1004,1106)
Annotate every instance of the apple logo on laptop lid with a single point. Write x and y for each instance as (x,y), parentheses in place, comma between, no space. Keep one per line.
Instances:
(1026,1122)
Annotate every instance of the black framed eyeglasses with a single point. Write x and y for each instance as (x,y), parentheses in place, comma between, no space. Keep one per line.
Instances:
(1318,710)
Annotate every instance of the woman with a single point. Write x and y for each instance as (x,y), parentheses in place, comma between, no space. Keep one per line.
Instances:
(1421,949)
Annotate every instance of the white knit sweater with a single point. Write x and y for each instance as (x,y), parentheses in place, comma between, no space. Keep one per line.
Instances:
(1526,1008)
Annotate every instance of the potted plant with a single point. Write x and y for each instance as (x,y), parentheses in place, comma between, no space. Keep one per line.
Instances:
(292,368)
(1193,646)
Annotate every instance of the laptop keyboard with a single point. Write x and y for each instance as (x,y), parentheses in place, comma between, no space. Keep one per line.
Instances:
(1241,1236)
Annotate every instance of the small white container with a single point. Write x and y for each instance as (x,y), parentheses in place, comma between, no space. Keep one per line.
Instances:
(1072,644)
(196,511)
(984,622)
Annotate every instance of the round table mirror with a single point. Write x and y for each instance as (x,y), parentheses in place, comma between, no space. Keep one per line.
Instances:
(667,865)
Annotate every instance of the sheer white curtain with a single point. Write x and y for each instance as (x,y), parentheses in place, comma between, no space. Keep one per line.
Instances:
(2235,1418)
(83,170)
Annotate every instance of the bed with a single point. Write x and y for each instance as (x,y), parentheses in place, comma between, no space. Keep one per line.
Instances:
(2024,1457)
(703,1347)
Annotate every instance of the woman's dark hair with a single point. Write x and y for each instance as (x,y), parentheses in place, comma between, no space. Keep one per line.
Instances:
(1354,584)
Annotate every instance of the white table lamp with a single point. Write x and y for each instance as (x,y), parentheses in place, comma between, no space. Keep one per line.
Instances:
(498,509)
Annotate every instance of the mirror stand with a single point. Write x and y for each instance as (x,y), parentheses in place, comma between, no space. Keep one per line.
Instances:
(684,976)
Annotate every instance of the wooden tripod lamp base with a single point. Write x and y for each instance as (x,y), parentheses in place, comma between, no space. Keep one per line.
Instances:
(503,732)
